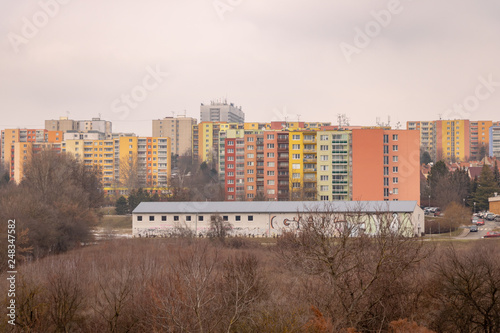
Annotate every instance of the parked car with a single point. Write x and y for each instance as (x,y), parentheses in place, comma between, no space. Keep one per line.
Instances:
(490,217)
(491,234)
(473,228)
(480,222)
(497,218)
(437,212)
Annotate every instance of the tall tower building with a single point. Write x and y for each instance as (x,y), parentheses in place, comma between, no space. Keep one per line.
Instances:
(179,130)
(221,112)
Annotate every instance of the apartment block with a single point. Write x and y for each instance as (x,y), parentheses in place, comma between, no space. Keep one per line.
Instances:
(303,165)
(206,140)
(385,165)
(479,137)
(221,111)
(21,152)
(494,143)
(150,156)
(334,167)
(13,136)
(179,130)
(427,131)
(95,124)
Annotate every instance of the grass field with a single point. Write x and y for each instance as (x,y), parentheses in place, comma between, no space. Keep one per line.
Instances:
(116,222)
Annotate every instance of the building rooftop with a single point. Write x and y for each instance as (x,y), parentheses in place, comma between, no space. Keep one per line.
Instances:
(212,207)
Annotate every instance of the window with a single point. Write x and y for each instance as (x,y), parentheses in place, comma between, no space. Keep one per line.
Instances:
(270,164)
(250,139)
(395,191)
(230,189)
(386,181)
(386,149)
(250,171)
(176,217)
(324,157)
(270,173)
(188,218)
(323,137)
(296,156)
(250,163)
(394,147)
(250,155)
(270,182)
(324,198)
(386,171)
(386,138)
(230,151)
(230,143)
(296,166)
(164,218)
(250,180)
(386,159)
(250,187)
(270,145)
(324,168)
(270,191)
(394,158)
(238,217)
(395,169)
(230,158)
(250,217)
(296,175)
(295,137)
(139,218)
(271,155)
(270,136)
(395,180)
(231,174)
(324,177)
(323,188)
(296,146)
(225,218)
(151,218)
(200,217)
(386,192)
(323,147)
(395,137)
(295,185)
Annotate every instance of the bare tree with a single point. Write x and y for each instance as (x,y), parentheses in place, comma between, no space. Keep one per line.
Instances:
(358,263)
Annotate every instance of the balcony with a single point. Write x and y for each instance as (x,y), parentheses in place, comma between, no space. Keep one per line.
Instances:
(310,160)
(309,170)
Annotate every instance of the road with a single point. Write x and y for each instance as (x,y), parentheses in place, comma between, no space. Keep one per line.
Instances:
(483,229)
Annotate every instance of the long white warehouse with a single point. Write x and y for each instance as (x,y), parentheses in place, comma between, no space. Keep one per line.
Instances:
(271,218)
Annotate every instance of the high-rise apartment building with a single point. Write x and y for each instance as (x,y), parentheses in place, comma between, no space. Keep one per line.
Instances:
(179,130)
(494,143)
(454,140)
(95,124)
(221,112)
(12,136)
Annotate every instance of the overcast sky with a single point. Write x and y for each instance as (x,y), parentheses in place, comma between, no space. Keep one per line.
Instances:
(310,59)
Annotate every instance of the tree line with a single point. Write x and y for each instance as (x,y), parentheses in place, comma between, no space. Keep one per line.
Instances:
(443,187)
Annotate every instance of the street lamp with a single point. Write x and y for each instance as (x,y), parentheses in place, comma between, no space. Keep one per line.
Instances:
(429,200)
(474,208)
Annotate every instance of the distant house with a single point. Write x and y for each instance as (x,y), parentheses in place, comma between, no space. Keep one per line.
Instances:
(494,204)
(272,218)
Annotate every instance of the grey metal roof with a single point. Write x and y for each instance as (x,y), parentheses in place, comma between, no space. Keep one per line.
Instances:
(209,207)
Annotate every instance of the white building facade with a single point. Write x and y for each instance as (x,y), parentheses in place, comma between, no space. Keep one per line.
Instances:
(272,218)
